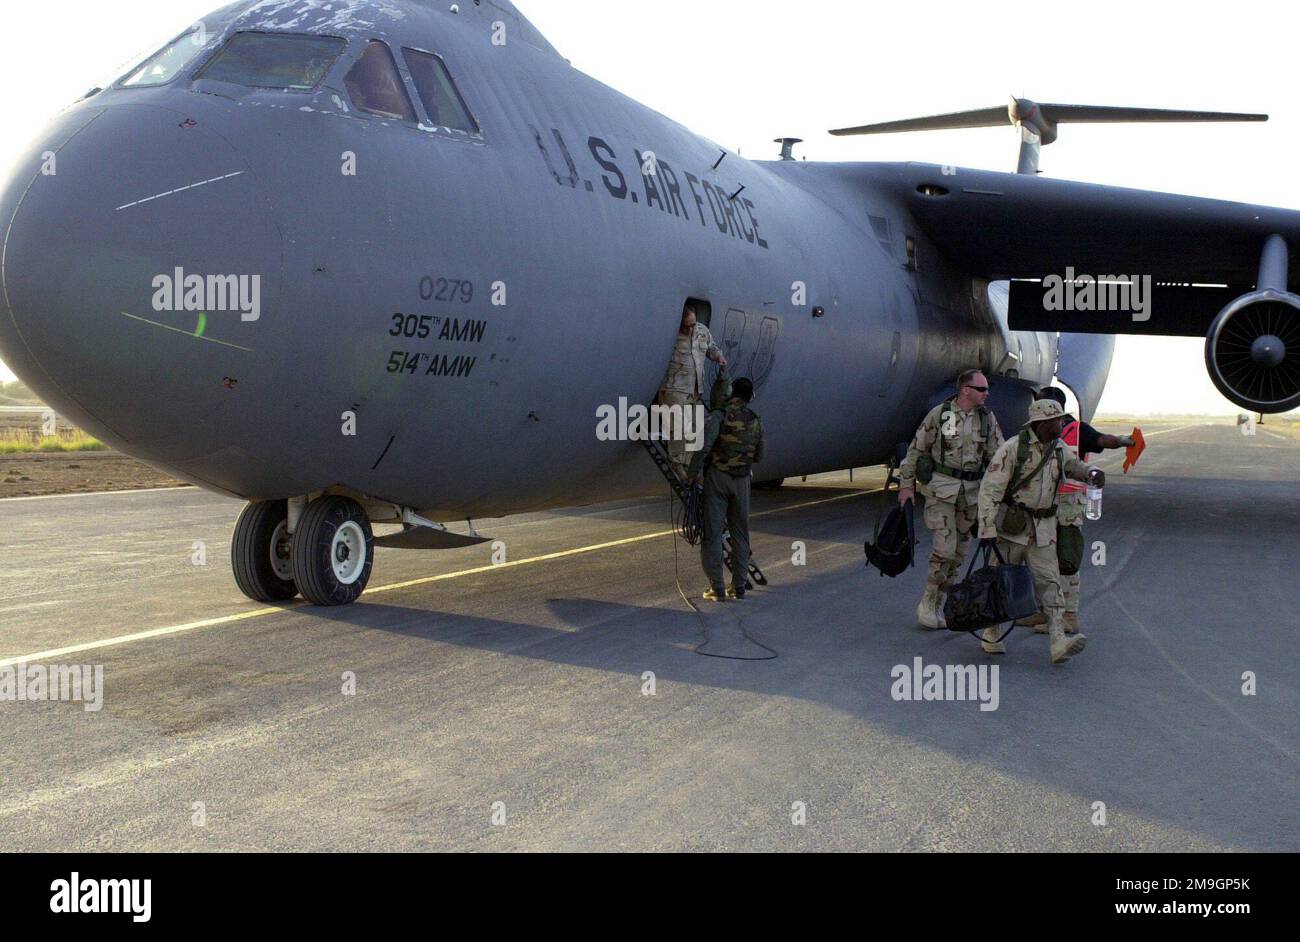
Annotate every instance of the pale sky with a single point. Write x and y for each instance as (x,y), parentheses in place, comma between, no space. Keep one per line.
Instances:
(743,72)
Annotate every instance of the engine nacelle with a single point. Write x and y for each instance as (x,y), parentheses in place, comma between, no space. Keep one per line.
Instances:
(1253,351)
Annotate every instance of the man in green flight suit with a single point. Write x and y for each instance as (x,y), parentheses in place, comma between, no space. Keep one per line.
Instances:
(733,444)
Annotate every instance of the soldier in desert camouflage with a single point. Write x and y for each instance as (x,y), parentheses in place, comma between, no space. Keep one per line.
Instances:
(683,384)
(1018,505)
(946,462)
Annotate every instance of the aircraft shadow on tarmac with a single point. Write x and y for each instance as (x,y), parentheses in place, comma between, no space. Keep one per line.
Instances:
(1199,588)
(654,511)
(1125,723)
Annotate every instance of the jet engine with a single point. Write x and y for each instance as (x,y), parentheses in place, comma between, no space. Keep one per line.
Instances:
(1253,351)
(1253,348)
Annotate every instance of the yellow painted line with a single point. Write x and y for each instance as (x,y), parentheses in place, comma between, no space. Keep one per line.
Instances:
(586,549)
(56,653)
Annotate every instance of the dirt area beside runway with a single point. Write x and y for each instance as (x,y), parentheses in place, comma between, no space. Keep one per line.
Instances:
(41,473)
(36,474)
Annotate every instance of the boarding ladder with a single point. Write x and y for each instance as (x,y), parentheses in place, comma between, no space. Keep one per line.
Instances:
(659,454)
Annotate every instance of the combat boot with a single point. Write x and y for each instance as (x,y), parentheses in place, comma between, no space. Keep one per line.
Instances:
(927,610)
(715,595)
(990,643)
(1071,623)
(1063,648)
(1036,621)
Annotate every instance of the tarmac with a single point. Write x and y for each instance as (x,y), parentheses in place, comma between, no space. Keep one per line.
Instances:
(558,701)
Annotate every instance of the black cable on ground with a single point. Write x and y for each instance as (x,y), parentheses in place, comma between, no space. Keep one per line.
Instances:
(689,523)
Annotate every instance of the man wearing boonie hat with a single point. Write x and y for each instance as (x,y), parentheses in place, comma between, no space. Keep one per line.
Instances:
(1018,506)
(1085,441)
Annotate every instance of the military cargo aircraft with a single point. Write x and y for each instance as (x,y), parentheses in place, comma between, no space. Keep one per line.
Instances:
(381,261)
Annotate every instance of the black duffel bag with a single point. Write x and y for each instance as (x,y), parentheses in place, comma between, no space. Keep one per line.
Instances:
(895,536)
(992,595)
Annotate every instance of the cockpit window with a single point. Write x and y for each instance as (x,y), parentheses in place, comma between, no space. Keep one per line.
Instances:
(274,60)
(438,92)
(376,87)
(163,66)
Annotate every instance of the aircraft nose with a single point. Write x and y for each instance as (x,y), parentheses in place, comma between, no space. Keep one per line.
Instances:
(141,265)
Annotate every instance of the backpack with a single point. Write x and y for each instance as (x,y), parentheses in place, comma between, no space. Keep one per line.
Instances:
(895,536)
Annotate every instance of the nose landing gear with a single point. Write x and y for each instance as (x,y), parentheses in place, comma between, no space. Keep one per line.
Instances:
(328,557)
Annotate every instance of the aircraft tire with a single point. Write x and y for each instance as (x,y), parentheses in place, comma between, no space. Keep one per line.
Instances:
(261,573)
(774,485)
(333,551)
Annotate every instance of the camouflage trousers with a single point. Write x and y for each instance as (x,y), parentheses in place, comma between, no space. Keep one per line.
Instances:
(677,453)
(1070,508)
(1046,570)
(726,509)
(950,526)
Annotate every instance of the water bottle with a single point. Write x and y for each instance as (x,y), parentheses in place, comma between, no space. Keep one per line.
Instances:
(1094,503)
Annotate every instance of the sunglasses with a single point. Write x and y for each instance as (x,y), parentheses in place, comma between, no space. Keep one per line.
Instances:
(978,388)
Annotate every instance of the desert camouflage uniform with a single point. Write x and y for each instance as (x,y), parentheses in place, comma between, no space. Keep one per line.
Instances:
(960,444)
(1071,514)
(683,384)
(1036,546)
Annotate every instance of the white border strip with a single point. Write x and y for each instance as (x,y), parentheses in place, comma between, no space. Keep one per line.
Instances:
(139,490)
(179,189)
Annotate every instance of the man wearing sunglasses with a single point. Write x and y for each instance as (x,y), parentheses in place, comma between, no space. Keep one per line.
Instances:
(946,462)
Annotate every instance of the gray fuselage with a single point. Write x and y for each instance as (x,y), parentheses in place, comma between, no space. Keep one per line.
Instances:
(551,269)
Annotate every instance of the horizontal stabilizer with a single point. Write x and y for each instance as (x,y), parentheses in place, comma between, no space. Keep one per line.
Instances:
(984,118)
(1051,114)
(1038,122)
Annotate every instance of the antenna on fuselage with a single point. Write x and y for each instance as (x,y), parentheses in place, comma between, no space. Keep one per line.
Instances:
(787,146)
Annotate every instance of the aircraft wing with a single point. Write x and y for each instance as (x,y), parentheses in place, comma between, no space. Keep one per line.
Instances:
(1016,226)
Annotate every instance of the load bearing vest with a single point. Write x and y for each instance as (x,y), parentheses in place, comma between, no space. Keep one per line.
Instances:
(941,443)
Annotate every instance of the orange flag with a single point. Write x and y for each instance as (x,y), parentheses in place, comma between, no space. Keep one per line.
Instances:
(1134,451)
